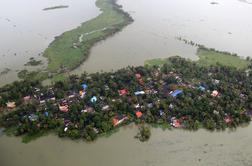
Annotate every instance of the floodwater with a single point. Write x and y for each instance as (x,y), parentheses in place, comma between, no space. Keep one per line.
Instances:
(26,30)
(177,147)
(225,26)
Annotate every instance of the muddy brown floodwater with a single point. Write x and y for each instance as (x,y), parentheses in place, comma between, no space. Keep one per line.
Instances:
(177,147)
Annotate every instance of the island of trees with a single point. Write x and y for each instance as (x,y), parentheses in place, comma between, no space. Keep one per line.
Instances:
(56,7)
(177,94)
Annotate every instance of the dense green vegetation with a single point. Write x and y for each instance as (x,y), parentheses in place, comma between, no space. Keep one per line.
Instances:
(144,133)
(33,62)
(5,71)
(213,97)
(71,48)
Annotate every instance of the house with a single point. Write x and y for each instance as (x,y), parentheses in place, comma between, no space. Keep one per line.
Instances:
(95,130)
(105,108)
(122,92)
(63,106)
(27,98)
(175,122)
(176,92)
(93,99)
(215,81)
(227,119)
(71,94)
(215,93)
(51,98)
(11,105)
(33,117)
(88,110)
(82,93)
(150,105)
(161,112)
(139,114)
(139,93)
(46,114)
(118,120)
(171,106)
(84,86)
(137,105)
(138,76)
(42,101)
(201,88)
(106,87)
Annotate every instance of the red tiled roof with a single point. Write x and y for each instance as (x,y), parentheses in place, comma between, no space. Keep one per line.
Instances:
(139,114)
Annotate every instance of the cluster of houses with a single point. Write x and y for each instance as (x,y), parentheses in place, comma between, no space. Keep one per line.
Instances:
(147,89)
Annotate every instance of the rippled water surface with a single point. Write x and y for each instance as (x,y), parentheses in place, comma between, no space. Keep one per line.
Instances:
(26,30)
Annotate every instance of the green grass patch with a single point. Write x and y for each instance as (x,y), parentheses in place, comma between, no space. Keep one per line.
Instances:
(209,57)
(71,48)
(153,62)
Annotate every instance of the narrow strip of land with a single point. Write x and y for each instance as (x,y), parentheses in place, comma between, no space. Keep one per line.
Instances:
(208,57)
(71,48)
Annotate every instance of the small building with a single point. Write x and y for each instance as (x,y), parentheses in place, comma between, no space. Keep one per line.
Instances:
(88,110)
(201,88)
(84,86)
(11,105)
(122,92)
(33,117)
(71,94)
(118,120)
(227,119)
(150,105)
(105,108)
(46,114)
(138,76)
(139,114)
(176,93)
(63,108)
(82,93)
(215,93)
(27,98)
(139,93)
(93,99)
(175,122)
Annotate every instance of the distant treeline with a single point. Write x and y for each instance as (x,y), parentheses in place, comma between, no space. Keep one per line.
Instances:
(56,7)
(192,43)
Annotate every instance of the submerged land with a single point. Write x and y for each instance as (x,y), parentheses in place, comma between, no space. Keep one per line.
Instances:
(177,94)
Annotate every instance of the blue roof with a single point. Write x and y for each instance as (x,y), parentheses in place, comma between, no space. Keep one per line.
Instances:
(93,99)
(46,114)
(84,86)
(176,92)
(202,88)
